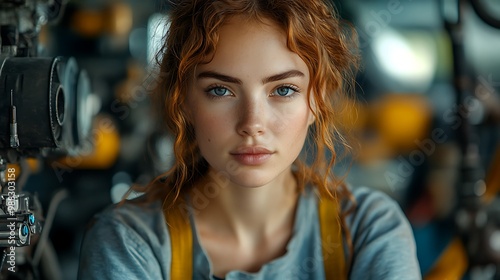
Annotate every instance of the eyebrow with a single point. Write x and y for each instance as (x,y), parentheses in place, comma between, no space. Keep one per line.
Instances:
(218,76)
(282,76)
(229,79)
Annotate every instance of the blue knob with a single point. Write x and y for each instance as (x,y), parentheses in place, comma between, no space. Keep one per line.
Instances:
(31,219)
(25,230)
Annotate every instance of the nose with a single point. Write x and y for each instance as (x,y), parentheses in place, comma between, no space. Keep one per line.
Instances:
(251,121)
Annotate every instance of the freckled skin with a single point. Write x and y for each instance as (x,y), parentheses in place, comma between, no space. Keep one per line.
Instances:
(251,113)
(251,94)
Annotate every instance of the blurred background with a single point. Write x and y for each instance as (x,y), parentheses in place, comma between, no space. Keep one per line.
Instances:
(426,112)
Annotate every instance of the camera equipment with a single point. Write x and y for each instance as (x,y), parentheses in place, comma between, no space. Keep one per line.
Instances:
(34,99)
(43,112)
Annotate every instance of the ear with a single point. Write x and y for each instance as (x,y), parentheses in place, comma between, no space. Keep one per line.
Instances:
(311,119)
(312,106)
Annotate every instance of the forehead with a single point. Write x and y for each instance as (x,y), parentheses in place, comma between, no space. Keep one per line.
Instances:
(257,47)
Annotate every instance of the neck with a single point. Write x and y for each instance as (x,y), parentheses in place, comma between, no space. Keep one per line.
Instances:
(249,213)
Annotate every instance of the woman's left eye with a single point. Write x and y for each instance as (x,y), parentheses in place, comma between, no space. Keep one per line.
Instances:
(285,91)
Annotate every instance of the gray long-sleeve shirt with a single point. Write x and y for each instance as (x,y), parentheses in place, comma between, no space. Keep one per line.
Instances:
(132,242)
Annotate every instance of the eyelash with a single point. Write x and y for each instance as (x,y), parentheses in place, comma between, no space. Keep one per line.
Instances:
(294,88)
(214,96)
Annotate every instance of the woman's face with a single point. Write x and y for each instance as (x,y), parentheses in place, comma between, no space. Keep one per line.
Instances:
(248,105)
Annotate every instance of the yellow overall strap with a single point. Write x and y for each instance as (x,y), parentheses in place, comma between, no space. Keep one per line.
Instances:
(331,240)
(181,238)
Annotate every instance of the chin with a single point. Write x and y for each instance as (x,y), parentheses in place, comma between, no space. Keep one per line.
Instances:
(250,183)
(253,179)
(250,176)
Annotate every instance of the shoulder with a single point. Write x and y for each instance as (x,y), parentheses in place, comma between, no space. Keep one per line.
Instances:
(382,238)
(368,201)
(374,214)
(133,214)
(127,240)
(142,222)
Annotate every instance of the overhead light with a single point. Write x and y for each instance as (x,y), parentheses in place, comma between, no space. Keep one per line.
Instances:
(408,60)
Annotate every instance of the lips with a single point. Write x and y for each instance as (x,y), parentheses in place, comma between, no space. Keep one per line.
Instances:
(252,155)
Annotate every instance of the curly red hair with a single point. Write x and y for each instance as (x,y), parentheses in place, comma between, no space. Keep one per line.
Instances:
(314,31)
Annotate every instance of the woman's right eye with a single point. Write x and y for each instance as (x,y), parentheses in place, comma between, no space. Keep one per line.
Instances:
(218,91)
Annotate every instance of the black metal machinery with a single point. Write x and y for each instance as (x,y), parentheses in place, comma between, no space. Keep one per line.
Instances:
(43,113)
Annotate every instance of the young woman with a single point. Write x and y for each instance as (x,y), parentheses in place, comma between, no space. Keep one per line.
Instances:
(243,85)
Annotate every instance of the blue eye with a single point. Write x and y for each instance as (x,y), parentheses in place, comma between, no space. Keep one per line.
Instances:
(285,91)
(218,91)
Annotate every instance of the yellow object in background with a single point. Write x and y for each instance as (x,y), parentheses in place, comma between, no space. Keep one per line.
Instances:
(401,120)
(32,163)
(114,19)
(451,265)
(88,23)
(103,149)
(118,19)
(17,169)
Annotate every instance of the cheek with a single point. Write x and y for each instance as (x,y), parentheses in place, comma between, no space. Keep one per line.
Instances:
(292,123)
(209,127)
